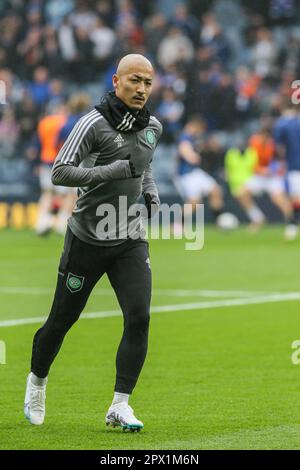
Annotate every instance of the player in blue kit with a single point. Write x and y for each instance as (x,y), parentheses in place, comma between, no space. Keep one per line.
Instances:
(287,137)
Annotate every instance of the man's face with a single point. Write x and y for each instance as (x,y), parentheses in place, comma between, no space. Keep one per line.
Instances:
(196,127)
(134,86)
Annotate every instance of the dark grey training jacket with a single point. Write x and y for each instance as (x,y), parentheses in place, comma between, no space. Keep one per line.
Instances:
(95,158)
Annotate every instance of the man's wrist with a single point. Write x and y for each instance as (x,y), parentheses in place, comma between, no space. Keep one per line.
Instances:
(152,203)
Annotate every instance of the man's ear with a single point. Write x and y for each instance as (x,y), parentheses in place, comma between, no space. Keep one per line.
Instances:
(115,80)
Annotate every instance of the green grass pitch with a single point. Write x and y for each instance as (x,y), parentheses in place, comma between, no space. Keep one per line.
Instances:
(218,374)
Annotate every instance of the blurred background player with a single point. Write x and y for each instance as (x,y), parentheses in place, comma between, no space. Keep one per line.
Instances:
(192,182)
(267,177)
(47,135)
(269,174)
(240,162)
(287,134)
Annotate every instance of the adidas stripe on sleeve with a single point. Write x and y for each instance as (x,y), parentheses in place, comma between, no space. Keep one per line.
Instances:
(79,142)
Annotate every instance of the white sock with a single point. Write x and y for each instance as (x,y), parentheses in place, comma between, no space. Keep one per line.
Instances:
(62,222)
(255,214)
(119,397)
(37,381)
(44,222)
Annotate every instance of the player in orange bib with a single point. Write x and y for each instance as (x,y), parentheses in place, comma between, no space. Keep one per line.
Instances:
(268,178)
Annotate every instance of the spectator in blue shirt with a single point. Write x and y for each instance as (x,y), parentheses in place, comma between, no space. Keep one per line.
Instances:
(39,87)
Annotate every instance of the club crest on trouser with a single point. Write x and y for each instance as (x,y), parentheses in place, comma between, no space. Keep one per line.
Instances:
(74,283)
(150,137)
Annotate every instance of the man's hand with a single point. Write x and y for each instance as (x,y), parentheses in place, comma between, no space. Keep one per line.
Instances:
(119,170)
(152,205)
(134,172)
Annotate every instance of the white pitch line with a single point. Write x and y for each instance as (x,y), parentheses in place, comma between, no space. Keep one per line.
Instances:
(26,290)
(210,293)
(173,308)
(168,292)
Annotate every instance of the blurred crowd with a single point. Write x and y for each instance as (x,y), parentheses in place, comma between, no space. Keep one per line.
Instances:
(232,62)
